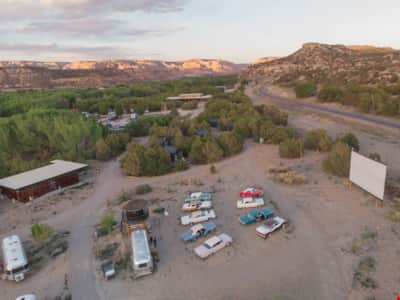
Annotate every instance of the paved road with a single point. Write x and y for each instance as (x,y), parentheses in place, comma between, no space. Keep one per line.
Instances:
(395,124)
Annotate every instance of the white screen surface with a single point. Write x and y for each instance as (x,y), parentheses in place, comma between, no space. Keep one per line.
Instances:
(368,174)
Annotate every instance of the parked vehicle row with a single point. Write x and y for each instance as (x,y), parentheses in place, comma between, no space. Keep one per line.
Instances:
(199,204)
(251,197)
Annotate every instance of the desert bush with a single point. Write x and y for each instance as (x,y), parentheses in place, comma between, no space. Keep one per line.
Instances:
(349,139)
(182,165)
(375,156)
(330,93)
(107,252)
(41,233)
(368,233)
(290,178)
(391,107)
(107,223)
(275,134)
(103,151)
(393,216)
(291,148)
(213,169)
(338,160)
(143,189)
(362,274)
(305,89)
(318,140)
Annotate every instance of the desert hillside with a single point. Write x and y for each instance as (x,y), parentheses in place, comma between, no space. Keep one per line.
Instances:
(334,63)
(33,74)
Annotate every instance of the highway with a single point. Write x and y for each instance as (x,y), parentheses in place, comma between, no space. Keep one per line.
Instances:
(297,103)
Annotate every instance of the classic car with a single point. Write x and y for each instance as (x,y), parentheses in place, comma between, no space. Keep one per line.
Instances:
(196,205)
(198,216)
(198,231)
(213,245)
(256,215)
(251,192)
(269,226)
(249,202)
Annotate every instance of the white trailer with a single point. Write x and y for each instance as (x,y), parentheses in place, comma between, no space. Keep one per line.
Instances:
(142,260)
(14,259)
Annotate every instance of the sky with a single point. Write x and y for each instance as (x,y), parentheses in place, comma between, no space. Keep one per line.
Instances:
(235,30)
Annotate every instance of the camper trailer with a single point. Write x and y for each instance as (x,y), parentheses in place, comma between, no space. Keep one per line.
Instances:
(142,261)
(14,259)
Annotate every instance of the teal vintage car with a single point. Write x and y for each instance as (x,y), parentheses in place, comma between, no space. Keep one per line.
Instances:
(256,215)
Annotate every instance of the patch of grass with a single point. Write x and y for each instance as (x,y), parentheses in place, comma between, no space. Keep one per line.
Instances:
(369,234)
(107,223)
(362,274)
(107,252)
(41,233)
(355,246)
(143,189)
(290,178)
(393,216)
(122,263)
(123,197)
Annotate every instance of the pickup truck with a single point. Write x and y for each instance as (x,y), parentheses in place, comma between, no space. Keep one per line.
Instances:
(256,215)
(213,245)
(199,196)
(269,226)
(198,216)
(196,205)
(250,202)
(198,231)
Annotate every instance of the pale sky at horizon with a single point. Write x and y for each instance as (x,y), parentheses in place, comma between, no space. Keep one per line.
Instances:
(235,30)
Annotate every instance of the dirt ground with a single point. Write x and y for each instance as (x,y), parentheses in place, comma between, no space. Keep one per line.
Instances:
(317,260)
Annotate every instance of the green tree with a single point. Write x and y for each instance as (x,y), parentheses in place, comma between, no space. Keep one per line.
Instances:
(305,89)
(103,151)
(349,139)
(196,154)
(212,151)
(230,143)
(338,160)
(119,110)
(291,148)
(318,140)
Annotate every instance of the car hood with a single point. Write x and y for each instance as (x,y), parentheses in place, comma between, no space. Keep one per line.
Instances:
(186,235)
(246,219)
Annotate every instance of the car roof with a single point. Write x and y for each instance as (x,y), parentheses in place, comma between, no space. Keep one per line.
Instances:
(197,227)
(213,241)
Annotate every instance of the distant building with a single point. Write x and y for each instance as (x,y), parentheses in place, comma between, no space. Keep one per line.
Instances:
(35,183)
(190,97)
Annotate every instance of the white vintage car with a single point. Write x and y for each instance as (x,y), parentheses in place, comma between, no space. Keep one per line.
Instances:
(198,216)
(196,205)
(250,202)
(269,226)
(198,196)
(213,245)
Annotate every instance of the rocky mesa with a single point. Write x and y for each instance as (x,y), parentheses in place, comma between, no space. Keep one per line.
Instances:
(331,63)
(35,74)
